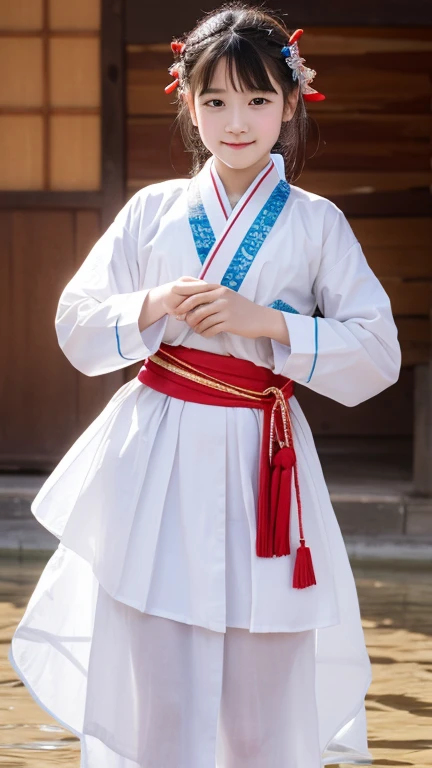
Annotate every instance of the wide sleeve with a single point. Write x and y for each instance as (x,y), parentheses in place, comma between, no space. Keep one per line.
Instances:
(351,353)
(98,311)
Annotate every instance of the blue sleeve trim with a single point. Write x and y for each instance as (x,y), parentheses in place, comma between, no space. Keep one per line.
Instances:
(316,350)
(118,345)
(283,306)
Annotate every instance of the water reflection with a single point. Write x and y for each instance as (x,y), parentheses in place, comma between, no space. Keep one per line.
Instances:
(397,619)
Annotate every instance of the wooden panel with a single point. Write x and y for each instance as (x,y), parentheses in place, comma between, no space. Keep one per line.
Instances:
(394,233)
(49,200)
(371,142)
(75,152)
(155,151)
(74,72)
(375,416)
(379,127)
(362,41)
(145,90)
(406,202)
(368,155)
(409,297)
(81,14)
(403,262)
(35,421)
(414,338)
(21,152)
(151,24)
(20,14)
(330,183)
(21,59)
(44,402)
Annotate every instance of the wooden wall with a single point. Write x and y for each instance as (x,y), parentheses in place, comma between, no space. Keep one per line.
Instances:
(44,401)
(50,216)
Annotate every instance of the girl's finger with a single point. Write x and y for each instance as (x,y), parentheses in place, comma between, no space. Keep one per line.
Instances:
(213,331)
(208,322)
(187,289)
(198,315)
(192,302)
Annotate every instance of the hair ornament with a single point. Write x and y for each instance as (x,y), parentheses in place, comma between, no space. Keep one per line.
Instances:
(178,48)
(303,74)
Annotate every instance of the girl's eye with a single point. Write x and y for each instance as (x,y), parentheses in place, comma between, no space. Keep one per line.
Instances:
(218,102)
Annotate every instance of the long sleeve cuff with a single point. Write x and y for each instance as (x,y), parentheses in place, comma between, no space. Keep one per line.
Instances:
(133,344)
(298,360)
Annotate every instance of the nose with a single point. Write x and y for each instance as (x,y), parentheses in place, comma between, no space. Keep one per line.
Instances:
(236,122)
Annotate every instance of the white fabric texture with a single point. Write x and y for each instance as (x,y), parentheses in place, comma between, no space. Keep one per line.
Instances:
(156,500)
(140,690)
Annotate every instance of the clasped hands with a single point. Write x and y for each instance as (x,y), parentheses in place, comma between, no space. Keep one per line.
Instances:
(210,308)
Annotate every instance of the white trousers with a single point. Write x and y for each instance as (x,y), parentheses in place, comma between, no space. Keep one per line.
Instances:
(165,694)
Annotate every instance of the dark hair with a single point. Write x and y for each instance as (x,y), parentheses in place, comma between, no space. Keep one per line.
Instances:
(250,38)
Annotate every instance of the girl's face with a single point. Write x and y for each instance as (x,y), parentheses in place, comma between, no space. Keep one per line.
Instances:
(239,127)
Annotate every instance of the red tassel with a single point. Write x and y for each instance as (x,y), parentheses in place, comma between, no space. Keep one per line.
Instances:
(280,499)
(304,575)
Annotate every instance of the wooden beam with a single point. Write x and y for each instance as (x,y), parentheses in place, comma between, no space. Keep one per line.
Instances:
(412,203)
(113,109)
(156,23)
(21,199)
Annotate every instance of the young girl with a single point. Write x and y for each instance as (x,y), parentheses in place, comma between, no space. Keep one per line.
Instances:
(200,609)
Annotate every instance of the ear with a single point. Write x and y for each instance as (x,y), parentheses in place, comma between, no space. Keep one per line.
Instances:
(187,96)
(291,105)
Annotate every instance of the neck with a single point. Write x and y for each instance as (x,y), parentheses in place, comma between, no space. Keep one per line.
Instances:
(236,181)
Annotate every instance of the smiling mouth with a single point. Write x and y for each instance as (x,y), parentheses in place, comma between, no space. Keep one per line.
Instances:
(237,143)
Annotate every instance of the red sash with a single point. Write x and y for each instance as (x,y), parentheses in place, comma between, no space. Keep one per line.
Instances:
(204,377)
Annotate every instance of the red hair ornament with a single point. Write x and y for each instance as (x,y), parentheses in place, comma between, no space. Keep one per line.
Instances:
(291,52)
(176,47)
(303,74)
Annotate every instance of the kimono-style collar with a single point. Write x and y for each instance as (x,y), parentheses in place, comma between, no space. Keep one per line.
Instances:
(228,239)
(210,183)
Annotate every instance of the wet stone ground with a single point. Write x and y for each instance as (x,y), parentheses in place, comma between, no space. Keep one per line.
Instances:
(397,619)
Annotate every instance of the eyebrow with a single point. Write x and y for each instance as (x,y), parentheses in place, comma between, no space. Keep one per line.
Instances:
(213,90)
(222,90)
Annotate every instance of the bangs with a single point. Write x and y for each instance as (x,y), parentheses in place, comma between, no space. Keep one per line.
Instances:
(246,66)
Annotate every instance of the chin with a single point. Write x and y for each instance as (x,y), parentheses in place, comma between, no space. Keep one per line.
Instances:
(239,158)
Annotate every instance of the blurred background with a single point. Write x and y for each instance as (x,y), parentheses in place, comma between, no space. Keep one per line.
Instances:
(85,122)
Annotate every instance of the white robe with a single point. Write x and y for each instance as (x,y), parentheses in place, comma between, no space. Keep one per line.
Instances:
(156,500)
